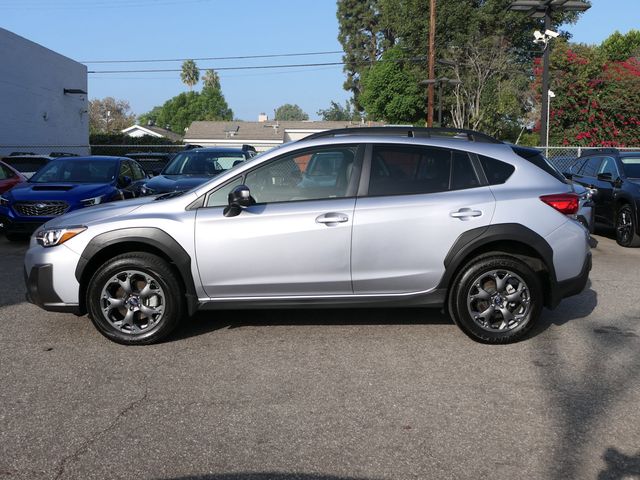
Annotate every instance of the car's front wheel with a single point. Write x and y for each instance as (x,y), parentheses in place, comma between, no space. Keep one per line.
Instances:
(626,235)
(496,299)
(135,299)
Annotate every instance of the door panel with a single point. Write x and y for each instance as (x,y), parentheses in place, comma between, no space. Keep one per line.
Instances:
(277,249)
(400,242)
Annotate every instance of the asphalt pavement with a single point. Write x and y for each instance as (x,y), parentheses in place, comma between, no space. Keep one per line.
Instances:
(326,394)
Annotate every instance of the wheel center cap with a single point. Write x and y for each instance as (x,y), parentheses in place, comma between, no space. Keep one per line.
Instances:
(134,301)
(497,300)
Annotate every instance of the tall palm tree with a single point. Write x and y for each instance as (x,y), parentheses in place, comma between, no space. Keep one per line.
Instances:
(190,73)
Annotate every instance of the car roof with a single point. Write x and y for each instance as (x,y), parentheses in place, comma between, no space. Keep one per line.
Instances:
(91,157)
(216,149)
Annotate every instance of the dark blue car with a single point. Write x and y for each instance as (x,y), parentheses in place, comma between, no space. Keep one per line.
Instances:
(193,167)
(64,185)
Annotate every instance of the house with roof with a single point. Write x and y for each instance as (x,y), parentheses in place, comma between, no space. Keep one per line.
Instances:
(152,131)
(263,135)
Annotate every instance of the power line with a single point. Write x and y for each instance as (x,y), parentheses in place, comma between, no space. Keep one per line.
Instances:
(254,67)
(236,57)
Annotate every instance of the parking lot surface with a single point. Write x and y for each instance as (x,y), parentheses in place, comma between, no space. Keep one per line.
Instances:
(326,394)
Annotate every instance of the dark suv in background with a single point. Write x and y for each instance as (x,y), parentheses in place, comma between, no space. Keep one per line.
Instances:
(616,176)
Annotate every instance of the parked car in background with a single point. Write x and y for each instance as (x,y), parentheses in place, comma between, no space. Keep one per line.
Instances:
(193,167)
(64,185)
(27,164)
(615,174)
(152,162)
(9,177)
(401,217)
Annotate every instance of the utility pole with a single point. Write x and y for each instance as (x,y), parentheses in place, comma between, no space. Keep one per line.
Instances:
(432,62)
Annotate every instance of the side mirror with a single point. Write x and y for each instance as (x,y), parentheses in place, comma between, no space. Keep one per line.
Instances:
(124,181)
(239,198)
(605,177)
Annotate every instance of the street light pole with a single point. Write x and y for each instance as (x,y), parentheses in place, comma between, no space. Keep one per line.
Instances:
(544,122)
(550,95)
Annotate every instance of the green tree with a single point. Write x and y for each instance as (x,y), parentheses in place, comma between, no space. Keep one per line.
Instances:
(179,111)
(290,112)
(190,73)
(619,47)
(336,112)
(109,115)
(391,91)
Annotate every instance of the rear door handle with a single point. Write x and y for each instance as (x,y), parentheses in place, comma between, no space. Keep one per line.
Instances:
(465,213)
(333,218)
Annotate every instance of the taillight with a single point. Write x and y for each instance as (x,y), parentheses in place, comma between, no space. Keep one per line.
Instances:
(566,203)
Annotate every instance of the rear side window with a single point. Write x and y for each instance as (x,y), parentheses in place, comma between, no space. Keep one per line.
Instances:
(497,172)
(399,170)
(542,163)
(5,173)
(26,164)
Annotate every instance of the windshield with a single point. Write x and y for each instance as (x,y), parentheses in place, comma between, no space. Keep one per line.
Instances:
(76,170)
(202,163)
(631,166)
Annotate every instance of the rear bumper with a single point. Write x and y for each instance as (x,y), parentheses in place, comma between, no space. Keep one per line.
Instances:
(40,291)
(572,286)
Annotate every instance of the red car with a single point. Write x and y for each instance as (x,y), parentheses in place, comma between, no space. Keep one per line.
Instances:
(9,177)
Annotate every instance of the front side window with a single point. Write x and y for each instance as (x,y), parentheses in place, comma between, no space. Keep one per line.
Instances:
(609,166)
(311,175)
(138,173)
(5,173)
(220,197)
(590,168)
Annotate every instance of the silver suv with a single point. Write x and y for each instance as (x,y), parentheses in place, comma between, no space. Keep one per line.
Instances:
(392,217)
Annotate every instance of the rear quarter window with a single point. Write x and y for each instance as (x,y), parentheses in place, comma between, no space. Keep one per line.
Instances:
(497,172)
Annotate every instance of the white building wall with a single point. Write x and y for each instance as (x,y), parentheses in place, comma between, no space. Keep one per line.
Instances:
(34,110)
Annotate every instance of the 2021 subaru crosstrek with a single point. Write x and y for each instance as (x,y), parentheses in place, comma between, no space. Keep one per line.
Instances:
(400,217)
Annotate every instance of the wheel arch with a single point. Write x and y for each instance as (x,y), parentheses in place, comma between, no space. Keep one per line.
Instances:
(511,239)
(144,239)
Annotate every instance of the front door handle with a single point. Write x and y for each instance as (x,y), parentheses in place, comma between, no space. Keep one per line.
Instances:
(465,213)
(333,218)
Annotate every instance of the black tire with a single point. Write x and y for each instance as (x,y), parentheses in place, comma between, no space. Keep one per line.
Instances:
(166,299)
(465,286)
(626,227)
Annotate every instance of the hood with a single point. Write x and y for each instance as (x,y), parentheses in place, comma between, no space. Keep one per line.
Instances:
(635,181)
(57,191)
(89,215)
(174,183)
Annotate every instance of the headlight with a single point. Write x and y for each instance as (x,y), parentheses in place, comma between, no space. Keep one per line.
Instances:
(50,237)
(87,202)
(4,201)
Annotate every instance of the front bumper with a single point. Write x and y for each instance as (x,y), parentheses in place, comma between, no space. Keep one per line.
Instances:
(40,291)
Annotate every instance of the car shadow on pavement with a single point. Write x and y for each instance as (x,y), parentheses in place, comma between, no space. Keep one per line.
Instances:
(263,476)
(572,308)
(619,465)
(209,321)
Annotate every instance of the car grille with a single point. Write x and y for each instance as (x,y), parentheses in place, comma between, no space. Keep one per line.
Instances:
(41,209)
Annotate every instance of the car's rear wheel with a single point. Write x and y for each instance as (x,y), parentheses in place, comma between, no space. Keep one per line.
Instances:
(626,227)
(496,299)
(135,299)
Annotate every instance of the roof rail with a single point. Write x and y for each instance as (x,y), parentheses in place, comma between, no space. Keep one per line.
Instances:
(422,132)
(590,151)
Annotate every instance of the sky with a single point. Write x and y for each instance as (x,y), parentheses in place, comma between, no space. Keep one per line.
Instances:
(92,30)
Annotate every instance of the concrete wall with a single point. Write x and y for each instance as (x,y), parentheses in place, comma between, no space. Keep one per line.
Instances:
(34,110)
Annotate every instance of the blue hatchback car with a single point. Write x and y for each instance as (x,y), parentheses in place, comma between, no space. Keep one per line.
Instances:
(67,184)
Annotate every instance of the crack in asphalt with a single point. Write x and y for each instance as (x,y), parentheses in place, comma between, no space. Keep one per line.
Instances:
(90,441)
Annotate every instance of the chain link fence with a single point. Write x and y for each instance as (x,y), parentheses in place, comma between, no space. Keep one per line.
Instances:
(154,157)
